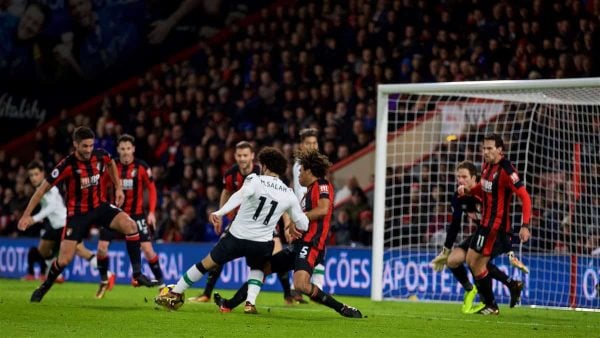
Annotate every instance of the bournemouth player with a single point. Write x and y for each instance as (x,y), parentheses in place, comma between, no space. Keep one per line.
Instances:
(232,182)
(262,200)
(499,181)
(81,173)
(53,209)
(454,258)
(309,249)
(136,177)
(308,141)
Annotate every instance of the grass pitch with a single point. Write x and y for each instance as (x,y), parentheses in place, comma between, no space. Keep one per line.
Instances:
(70,310)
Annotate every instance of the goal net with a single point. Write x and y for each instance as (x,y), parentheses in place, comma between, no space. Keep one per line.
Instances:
(551,130)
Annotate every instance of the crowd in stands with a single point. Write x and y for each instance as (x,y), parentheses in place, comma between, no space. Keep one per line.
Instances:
(314,64)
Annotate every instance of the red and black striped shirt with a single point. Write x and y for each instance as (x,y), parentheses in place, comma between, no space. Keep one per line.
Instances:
(233,178)
(498,183)
(82,181)
(135,177)
(318,230)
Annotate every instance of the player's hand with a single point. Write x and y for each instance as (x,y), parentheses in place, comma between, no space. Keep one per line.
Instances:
(24,223)
(440,260)
(217,222)
(151,219)
(524,234)
(119,197)
(294,232)
(462,190)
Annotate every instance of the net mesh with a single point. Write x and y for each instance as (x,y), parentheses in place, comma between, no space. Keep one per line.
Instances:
(552,137)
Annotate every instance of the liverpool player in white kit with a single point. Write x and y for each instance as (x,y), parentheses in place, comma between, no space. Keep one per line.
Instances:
(262,200)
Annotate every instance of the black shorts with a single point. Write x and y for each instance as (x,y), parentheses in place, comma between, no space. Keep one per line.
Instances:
(108,234)
(48,233)
(284,260)
(490,244)
(230,247)
(501,246)
(78,226)
(306,256)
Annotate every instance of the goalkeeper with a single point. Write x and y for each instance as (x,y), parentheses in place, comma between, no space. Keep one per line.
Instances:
(466,174)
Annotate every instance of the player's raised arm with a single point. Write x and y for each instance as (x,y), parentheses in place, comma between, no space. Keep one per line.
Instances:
(25,221)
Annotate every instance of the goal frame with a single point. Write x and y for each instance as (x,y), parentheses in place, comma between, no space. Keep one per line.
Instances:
(381,138)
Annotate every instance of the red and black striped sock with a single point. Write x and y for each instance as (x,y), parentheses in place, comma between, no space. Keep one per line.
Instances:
(484,286)
(321,297)
(155,267)
(53,273)
(211,280)
(133,250)
(102,266)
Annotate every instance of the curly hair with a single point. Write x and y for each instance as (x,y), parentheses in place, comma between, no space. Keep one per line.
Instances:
(314,161)
(274,160)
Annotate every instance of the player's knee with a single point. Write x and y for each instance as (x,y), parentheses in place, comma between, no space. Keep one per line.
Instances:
(302,286)
(453,262)
(64,260)
(128,226)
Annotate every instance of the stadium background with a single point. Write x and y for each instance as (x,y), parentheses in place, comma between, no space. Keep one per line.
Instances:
(261,73)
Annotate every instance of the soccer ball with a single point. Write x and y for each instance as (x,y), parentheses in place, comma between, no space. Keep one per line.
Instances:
(165,300)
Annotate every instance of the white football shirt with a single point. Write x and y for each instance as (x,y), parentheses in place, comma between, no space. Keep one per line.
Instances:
(299,190)
(262,200)
(52,207)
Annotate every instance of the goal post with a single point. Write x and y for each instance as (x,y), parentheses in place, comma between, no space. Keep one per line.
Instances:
(551,130)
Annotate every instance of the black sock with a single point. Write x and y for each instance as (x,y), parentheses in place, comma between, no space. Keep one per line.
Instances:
(211,280)
(33,257)
(133,250)
(103,267)
(155,267)
(284,279)
(498,274)
(484,286)
(238,298)
(460,273)
(321,297)
(54,271)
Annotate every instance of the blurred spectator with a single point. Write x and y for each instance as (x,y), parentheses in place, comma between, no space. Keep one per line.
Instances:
(341,228)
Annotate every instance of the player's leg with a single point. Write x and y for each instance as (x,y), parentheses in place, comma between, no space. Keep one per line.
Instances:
(33,257)
(224,251)
(503,245)
(281,262)
(107,279)
(257,254)
(284,277)
(211,280)
(86,254)
(152,258)
(456,264)
(118,220)
(38,255)
(478,264)
(148,249)
(304,264)
(318,277)
(67,251)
